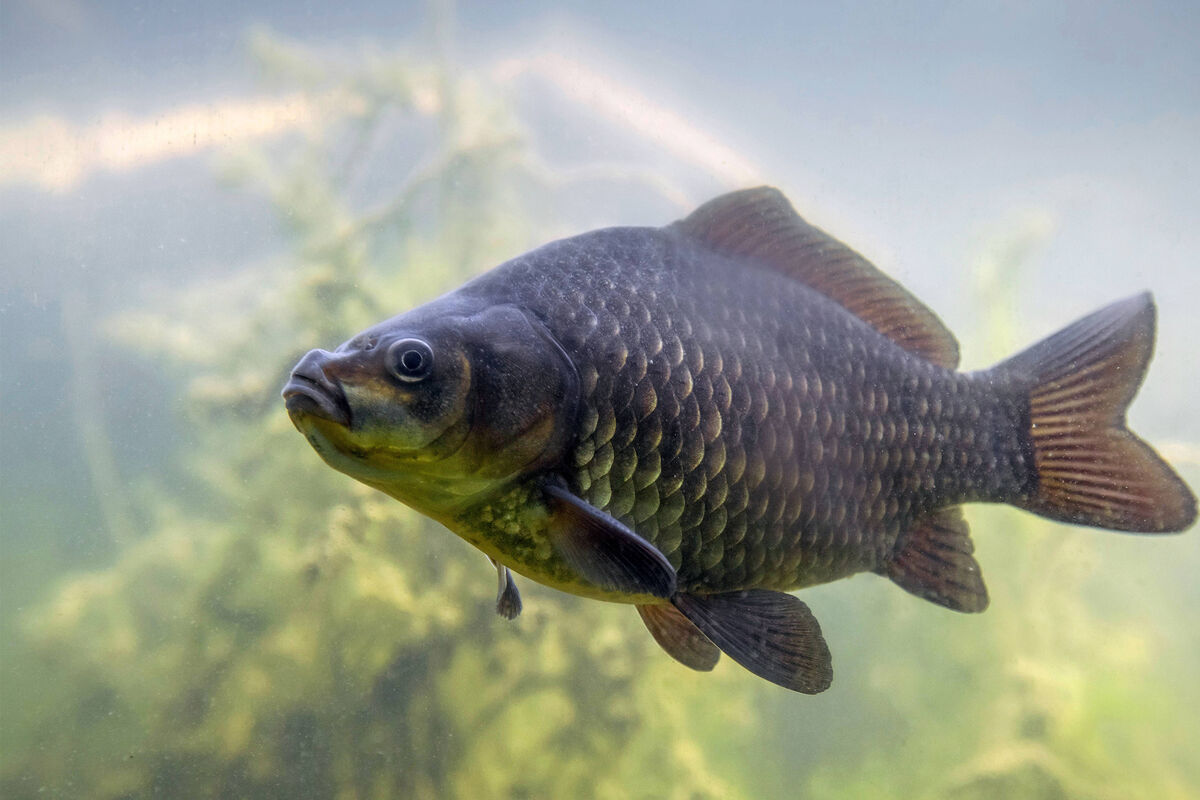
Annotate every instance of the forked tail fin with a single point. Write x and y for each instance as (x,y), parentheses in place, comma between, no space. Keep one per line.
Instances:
(1091,470)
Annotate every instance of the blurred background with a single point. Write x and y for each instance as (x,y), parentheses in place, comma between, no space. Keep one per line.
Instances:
(194,194)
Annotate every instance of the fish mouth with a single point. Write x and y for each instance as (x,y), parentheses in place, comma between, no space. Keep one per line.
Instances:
(309,392)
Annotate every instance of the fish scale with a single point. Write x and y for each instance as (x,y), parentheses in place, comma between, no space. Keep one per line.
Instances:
(697,418)
(790,382)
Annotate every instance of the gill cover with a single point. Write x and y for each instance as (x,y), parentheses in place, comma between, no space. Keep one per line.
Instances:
(444,403)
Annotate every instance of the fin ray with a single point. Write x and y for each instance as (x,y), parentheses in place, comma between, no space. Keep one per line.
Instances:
(682,640)
(772,634)
(605,551)
(934,561)
(761,224)
(1090,468)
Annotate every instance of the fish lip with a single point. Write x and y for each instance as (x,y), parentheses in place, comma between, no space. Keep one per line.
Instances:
(309,392)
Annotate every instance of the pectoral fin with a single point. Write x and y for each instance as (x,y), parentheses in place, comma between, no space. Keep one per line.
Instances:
(603,550)
(682,640)
(508,599)
(772,634)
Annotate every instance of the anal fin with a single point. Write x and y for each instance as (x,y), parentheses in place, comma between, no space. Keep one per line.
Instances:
(682,640)
(934,560)
(772,634)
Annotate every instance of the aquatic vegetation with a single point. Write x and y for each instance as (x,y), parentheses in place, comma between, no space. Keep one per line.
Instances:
(279,631)
(273,629)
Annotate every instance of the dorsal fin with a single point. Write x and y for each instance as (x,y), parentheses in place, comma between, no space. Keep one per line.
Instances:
(761,224)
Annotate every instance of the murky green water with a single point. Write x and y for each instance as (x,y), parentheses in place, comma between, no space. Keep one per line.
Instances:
(193,605)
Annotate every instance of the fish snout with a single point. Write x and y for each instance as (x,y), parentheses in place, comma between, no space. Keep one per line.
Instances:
(310,391)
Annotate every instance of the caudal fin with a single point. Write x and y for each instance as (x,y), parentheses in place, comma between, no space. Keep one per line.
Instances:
(1091,470)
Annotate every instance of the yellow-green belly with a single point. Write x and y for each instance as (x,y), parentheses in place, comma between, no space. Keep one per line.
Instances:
(512,527)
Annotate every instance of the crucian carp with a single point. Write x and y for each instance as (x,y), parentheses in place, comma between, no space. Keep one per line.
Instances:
(699,418)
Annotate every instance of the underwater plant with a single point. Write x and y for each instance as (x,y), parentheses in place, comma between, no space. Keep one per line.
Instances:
(276,631)
(272,629)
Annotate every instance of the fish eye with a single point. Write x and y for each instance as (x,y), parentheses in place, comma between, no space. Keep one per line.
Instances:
(410,360)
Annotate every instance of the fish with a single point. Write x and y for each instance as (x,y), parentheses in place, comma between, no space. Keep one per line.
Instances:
(701,418)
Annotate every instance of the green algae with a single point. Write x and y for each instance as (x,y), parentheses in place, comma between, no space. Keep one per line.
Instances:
(274,629)
(277,630)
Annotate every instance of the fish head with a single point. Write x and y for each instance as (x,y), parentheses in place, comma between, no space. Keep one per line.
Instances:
(440,406)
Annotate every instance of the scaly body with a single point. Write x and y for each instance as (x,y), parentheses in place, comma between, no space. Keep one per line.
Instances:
(697,418)
(754,431)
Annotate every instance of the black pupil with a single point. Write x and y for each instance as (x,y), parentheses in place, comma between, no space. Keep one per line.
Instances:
(412,360)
